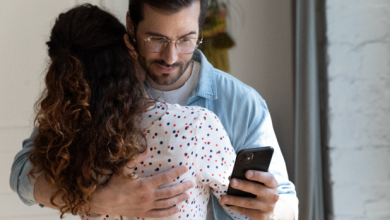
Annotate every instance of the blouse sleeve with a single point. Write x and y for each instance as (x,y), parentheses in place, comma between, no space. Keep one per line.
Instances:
(215,156)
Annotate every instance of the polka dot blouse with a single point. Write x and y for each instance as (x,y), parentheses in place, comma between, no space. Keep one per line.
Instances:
(186,136)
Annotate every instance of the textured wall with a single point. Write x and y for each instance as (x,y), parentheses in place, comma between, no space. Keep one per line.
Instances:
(359,107)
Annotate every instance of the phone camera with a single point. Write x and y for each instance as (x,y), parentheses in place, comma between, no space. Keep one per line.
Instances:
(245,158)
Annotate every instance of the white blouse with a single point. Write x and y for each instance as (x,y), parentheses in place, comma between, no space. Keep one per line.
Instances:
(186,136)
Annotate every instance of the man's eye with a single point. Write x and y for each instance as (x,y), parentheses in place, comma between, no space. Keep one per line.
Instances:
(157,39)
(185,39)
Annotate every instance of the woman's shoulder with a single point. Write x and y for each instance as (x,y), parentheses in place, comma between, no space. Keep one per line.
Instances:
(165,114)
(196,114)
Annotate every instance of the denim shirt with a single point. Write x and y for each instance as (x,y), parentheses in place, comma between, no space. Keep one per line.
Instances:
(247,121)
(242,111)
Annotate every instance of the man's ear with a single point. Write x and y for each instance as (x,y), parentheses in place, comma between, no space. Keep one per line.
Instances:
(132,51)
(129,24)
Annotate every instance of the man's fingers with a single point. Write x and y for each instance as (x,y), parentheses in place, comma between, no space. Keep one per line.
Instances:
(262,192)
(249,203)
(167,176)
(160,213)
(174,190)
(142,156)
(138,158)
(166,203)
(263,177)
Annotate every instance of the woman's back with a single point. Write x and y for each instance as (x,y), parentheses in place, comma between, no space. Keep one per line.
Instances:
(187,136)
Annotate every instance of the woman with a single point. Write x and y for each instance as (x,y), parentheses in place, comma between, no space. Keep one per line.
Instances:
(94,118)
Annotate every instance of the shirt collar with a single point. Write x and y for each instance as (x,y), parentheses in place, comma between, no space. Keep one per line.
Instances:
(207,88)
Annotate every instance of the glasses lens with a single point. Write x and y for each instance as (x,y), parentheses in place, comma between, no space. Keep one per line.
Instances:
(155,44)
(186,45)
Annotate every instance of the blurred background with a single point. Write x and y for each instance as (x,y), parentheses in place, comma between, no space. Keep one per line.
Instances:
(323,68)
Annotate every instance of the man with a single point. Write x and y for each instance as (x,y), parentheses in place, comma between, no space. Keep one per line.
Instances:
(165,35)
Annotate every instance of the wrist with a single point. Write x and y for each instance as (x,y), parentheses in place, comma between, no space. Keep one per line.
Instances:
(98,203)
(43,193)
(284,209)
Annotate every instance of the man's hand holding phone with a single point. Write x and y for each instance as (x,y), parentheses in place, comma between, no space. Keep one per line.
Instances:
(263,205)
(253,191)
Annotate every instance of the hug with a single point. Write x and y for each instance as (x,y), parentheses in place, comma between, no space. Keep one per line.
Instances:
(134,122)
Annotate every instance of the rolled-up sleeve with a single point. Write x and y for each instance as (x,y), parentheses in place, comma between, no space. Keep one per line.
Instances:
(19,181)
(261,134)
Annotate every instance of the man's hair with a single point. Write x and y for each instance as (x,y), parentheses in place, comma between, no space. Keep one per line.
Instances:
(165,6)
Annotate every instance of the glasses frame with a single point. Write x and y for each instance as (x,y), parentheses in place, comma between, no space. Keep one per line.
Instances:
(167,40)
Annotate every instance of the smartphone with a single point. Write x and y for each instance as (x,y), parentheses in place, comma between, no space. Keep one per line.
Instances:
(250,159)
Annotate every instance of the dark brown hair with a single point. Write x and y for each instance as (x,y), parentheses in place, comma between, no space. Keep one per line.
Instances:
(168,6)
(88,115)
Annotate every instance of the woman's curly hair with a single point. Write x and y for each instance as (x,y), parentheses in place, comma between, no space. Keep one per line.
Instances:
(88,116)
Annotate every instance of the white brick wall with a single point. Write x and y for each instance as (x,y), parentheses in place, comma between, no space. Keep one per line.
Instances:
(358,33)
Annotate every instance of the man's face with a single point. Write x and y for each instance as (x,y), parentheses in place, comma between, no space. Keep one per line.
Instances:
(166,67)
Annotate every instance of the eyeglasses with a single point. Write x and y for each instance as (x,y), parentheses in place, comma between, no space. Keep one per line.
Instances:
(185,45)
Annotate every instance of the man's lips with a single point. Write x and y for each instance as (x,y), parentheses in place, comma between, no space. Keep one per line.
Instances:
(165,69)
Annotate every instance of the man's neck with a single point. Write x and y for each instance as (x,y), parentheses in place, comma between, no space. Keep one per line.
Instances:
(179,83)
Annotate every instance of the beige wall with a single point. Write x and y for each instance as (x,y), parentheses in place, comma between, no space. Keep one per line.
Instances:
(262,59)
(25,27)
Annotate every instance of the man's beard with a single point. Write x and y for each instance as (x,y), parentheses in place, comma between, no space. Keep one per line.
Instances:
(163,80)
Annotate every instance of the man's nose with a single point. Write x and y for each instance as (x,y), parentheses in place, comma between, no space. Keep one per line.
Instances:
(170,53)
